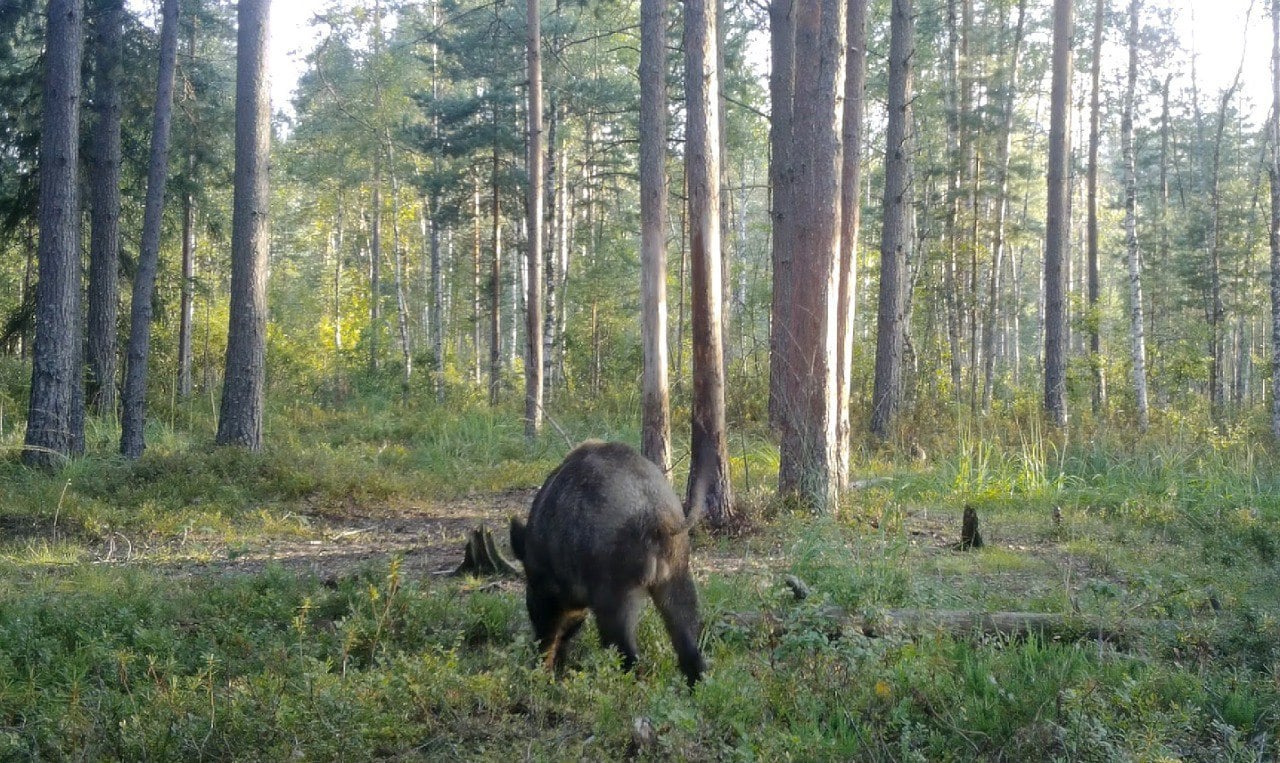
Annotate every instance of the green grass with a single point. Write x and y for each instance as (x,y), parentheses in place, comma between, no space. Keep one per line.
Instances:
(129,662)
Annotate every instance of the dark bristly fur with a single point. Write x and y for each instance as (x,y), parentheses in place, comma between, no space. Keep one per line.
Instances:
(605,528)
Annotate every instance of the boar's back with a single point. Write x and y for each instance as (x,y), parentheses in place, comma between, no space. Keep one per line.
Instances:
(605,516)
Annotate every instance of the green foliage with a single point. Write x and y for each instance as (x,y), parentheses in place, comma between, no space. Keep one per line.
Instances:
(381,662)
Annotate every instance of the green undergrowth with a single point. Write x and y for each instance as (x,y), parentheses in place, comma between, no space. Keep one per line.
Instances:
(1171,539)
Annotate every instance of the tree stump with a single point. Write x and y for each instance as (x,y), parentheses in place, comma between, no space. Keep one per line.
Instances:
(970,537)
(482,557)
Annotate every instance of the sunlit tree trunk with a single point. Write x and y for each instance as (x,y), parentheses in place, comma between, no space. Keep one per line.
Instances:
(1058,223)
(495,277)
(655,435)
(55,428)
(850,224)
(709,460)
(1093,322)
(781,84)
(896,234)
(375,263)
(998,243)
(187,307)
(104,190)
(1137,324)
(243,391)
(134,402)
(533,380)
(807,467)
(1274,127)
(398,271)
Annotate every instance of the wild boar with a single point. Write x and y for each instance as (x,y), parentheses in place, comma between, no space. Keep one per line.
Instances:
(605,528)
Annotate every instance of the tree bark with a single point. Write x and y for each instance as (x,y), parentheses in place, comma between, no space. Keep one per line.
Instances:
(998,242)
(375,262)
(55,428)
(104,189)
(1137,325)
(709,463)
(134,399)
(244,385)
(398,265)
(495,278)
(808,468)
(850,226)
(895,238)
(655,435)
(781,86)
(186,308)
(1058,223)
(1274,238)
(533,381)
(1093,322)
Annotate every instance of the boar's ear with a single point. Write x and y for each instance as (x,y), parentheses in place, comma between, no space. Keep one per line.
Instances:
(517,538)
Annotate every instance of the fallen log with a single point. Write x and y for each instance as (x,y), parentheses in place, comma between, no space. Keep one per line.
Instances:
(967,624)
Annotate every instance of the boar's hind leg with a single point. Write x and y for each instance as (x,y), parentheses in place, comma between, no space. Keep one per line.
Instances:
(677,602)
(553,626)
(616,614)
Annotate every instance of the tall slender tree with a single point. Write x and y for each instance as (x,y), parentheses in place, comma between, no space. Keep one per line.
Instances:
(55,416)
(1094,322)
(1274,168)
(781,184)
(1058,223)
(533,381)
(850,226)
(244,385)
(998,239)
(709,462)
(104,211)
(133,419)
(656,425)
(1137,324)
(895,239)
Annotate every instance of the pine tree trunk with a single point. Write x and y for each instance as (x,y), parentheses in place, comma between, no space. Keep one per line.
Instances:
(104,189)
(1274,239)
(998,242)
(134,399)
(1093,322)
(781,86)
(895,238)
(477,362)
(1058,223)
(244,386)
(1137,326)
(850,226)
(54,426)
(375,263)
(533,380)
(495,280)
(655,435)
(808,469)
(187,308)
(709,464)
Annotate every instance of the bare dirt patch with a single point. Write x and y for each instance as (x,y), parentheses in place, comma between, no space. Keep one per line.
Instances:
(427,537)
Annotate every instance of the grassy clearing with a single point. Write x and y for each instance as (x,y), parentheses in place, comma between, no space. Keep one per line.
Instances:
(128,662)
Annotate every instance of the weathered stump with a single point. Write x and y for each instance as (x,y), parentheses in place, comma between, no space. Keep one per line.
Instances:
(482,557)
